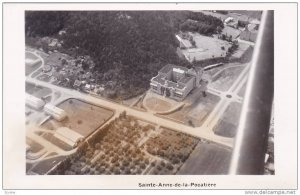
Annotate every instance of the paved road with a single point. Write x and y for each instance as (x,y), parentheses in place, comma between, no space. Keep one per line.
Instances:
(198,132)
(223,104)
(205,131)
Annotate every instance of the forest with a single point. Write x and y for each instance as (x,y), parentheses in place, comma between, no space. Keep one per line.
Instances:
(127,47)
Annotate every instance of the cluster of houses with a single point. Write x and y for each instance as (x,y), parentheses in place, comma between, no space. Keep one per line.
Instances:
(70,72)
(247,26)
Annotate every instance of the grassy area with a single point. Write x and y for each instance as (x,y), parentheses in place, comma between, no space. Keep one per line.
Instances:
(59,143)
(195,113)
(207,47)
(29,57)
(242,91)
(224,80)
(158,104)
(207,159)
(44,166)
(83,117)
(34,146)
(37,91)
(227,125)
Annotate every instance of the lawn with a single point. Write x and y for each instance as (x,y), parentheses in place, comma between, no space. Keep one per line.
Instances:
(207,47)
(37,91)
(83,117)
(29,57)
(157,104)
(197,111)
(34,146)
(44,166)
(225,78)
(242,91)
(207,159)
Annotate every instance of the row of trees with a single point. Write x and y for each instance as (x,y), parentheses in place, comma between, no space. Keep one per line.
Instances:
(201,23)
(174,147)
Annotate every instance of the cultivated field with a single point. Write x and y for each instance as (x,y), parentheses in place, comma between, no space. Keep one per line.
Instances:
(207,159)
(129,146)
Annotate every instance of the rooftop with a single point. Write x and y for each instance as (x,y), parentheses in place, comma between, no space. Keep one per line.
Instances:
(167,68)
(185,79)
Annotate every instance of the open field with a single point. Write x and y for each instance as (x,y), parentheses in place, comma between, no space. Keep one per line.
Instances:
(158,104)
(34,146)
(59,143)
(244,52)
(196,112)
(250,13)
(37,91)
(31,58)
(225,78)
(207,159)
(210,48)
(242,91)
(44,166)
(227,125)
(229,31)
(83,117)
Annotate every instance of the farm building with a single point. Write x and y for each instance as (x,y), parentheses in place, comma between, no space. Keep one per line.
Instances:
(57,113)
(33,101)
(68,136)
(183,43)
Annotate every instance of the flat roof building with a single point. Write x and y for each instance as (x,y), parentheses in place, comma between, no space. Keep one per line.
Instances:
(33,101)
(175,81)
(57,113)
(68,136)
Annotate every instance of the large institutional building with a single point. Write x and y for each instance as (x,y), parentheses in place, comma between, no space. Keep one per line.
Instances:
(175,81)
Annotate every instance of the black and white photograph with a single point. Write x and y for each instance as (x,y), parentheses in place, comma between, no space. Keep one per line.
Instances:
(175,92)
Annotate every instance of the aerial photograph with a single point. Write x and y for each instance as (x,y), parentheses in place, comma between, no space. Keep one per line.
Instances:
(137,92)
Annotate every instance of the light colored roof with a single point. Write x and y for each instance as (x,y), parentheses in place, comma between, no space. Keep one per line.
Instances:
(33,101)
(185,42)
(179,70)
(67,135)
